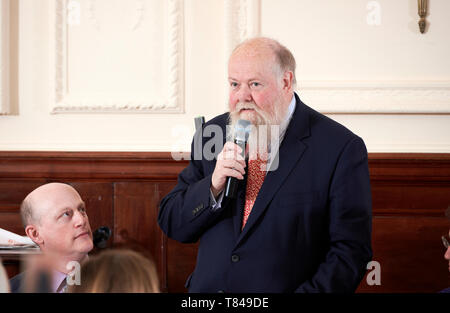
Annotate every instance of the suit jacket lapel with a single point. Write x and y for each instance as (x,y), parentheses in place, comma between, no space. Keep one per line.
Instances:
(239,208)
(290,152)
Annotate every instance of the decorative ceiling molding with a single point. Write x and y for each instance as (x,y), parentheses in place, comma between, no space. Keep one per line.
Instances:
(135,22)
(4,57)
(243,20)
(374,97)
(173,101)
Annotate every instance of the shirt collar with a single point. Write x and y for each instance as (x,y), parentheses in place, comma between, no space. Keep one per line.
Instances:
(285,123)
(57,279)
(283,127)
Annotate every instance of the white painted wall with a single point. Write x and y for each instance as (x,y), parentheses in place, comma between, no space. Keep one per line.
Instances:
(4,57)
(118,75)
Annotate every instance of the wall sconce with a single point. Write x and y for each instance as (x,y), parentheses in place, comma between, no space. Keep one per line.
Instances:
(422,10)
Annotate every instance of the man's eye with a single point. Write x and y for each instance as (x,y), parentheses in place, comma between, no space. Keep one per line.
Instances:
(66,214)
(233,84)
(255,84)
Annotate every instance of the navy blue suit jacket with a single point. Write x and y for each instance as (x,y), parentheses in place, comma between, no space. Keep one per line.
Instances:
(310,226)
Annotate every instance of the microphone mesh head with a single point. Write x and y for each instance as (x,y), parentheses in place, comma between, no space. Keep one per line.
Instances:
(242,130)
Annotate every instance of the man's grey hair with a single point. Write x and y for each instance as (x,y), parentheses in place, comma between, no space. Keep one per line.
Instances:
(26,212)
(284,56)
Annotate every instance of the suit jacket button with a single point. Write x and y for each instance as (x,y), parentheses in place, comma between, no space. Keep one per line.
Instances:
(221,291)
(235,258)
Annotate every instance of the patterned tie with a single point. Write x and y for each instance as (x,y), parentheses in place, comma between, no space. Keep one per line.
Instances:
(256,175)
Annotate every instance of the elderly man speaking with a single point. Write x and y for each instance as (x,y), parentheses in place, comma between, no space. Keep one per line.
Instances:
(54,217)
(301,225)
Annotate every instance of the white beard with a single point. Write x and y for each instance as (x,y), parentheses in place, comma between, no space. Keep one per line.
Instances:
(265,127)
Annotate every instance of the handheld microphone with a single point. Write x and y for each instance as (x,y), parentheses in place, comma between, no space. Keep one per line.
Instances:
(101,236)
(241,133)
(199,121)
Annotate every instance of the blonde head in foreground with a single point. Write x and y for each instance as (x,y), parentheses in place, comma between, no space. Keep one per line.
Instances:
(114,271)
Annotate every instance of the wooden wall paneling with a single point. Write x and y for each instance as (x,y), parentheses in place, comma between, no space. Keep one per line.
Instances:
(162,189)
(410,198)
(12,192)
(98,197)
(181,259)
(12,222)
(409,167)
(106,166)
(135,219)
(410,253)
(410,193)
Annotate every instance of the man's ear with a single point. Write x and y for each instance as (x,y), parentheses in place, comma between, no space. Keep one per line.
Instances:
(33,233)
(288,80)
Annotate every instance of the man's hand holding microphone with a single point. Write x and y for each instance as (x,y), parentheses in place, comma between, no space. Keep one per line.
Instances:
(230,163)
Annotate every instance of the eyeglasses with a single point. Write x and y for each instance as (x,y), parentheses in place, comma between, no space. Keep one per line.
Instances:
(446,241)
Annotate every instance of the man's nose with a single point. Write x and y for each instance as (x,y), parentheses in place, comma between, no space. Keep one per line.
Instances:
(80,219)
(244,94)
(447,254)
